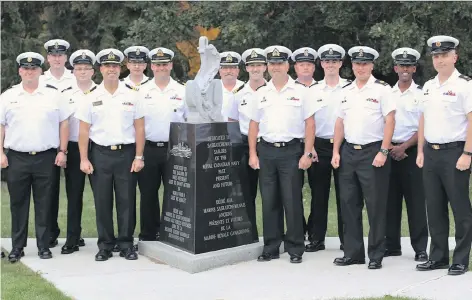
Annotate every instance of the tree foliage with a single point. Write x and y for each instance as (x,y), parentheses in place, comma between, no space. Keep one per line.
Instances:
(236,26)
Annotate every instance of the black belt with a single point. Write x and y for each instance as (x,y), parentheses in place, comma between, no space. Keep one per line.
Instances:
(361,147)
(114,147)
(157,144)
(281,144)
(33,152)
(446,145)
(324,141)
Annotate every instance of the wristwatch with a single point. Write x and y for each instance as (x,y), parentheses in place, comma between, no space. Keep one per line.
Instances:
(63,151)
(139,157)
(309,154)
(467,153)
(384,151)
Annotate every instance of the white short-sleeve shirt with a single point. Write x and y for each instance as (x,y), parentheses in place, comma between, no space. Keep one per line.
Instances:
(363,111)
(161,107)
(73,97)
(329,99)
(67,80)
(281,114)
(226,96)
(32,120)
(445,108)
(111,116)
(407,114)
(128,81)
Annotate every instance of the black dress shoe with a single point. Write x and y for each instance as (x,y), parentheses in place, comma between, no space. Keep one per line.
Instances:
(432,265)
(103,255)
(392,253)
(457,269)
(67,249)
(295,259)
(267,256)
(129,254)
(15,255)
(375,264)
(81,242)
(44,253)
(421,256)
(53,243)
(116,248)
(135,247)
(315,246)
(346,261)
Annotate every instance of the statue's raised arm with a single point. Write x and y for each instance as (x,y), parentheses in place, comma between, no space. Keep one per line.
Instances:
(204,94)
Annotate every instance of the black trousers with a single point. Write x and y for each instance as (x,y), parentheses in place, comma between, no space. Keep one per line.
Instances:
(319,178)
(112,173)
(444,183)
(280,184)
(56,178)
(149,180)
(406,181)
(357,176)
(28,172)
(249,178)
(75,183)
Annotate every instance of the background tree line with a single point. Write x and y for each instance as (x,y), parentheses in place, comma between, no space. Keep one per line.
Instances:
(235,26)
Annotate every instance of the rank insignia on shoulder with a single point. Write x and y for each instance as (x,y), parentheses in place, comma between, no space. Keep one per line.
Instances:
(145,81)
(91,90)
(261,86)
(181,82)
(69,88)
(97,103)
(238,89)
(420,87)
(347,84)
(467,78)
(314,83)
(381,82)
(130,87)
(298,82)
(51,86)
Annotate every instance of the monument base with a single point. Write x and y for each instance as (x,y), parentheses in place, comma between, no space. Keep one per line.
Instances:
(195,263)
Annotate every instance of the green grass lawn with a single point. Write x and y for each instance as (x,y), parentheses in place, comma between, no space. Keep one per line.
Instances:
(20,283)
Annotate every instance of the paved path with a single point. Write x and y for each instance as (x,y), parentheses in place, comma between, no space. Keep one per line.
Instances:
(80,277)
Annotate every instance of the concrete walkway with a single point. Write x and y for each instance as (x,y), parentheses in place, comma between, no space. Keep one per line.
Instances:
(80,277)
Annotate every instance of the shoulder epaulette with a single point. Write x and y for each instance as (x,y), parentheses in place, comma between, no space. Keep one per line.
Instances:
(261,86)
(91,90)
(69,88)
(51,86)
(130,87)
(122,79)
(315,83)
(238,89)
(181,82)
(467,78)
(347,84)
(420,87)
(381,82)
(298,82)
(146,81)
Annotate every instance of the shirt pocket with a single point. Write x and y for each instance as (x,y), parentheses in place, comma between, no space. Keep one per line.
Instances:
(413,105)
(452,104)
(371,105)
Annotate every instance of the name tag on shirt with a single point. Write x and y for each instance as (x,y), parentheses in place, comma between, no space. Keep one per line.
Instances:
(97,103)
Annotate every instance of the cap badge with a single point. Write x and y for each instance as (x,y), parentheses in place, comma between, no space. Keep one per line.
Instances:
(84,56)
(361,53)
(405,54)
(29,59)
(438,44)
(160,53)
(229,58)
(253,54)
(275,52)
(111,55)
(330,52)
(56,45)
(305,53)
(138,51)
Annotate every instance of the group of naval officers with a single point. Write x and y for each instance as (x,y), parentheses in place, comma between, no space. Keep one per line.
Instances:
(380,144)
